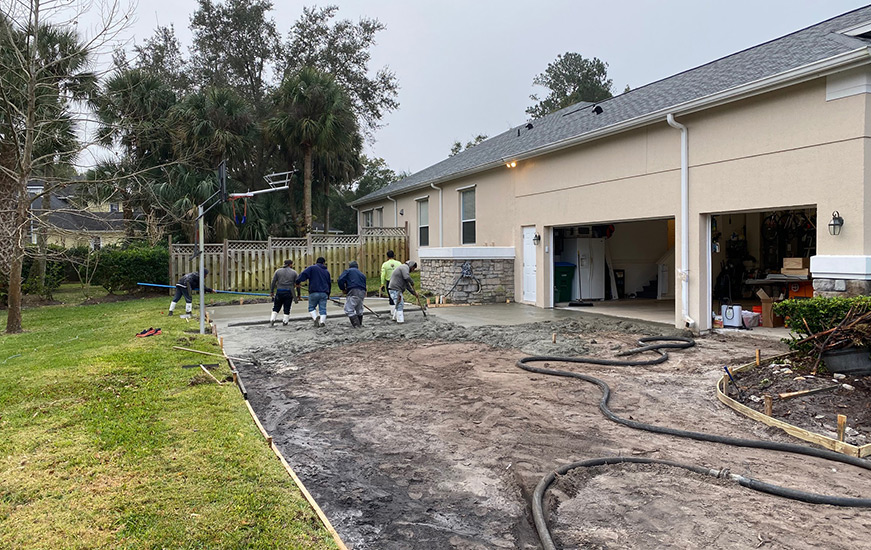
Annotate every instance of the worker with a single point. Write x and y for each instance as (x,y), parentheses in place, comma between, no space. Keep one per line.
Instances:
(282,291)
(400,281)
(184,287)
(352,282)
(319,286)
(386,271)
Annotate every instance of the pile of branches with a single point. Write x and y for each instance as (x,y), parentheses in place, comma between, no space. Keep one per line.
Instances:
(853,330)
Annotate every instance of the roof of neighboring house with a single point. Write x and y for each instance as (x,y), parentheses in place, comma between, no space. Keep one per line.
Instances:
(67,217)
(577,123)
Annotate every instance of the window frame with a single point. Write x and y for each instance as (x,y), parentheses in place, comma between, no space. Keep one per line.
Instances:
(473,219)
(421,226)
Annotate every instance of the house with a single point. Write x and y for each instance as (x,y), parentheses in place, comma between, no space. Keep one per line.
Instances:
(691,189)
(70,225)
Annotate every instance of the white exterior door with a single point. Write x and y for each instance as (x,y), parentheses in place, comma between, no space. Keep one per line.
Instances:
(528,265)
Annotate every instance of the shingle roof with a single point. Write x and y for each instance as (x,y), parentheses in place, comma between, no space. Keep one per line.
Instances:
(65,216)
(812,44)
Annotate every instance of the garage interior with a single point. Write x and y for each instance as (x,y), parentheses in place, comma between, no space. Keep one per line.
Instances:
(759,251)
(620,261)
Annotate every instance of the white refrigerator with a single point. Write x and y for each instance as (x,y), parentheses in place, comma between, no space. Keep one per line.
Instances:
(589,255)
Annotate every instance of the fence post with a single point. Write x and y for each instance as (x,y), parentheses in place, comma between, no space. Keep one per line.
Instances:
(225,265)
(309,250)
(407,244)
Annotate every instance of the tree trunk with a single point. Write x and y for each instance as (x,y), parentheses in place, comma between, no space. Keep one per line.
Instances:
(42,241)
(128,217)
(327,210)
(13,318)
(307,189)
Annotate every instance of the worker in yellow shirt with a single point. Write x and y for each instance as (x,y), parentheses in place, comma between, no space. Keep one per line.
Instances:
(386,271)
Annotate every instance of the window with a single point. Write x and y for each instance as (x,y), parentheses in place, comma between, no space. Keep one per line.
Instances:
(96,243)
(379,217)
(467,216)
(367,218)
(113,207)
(423,222)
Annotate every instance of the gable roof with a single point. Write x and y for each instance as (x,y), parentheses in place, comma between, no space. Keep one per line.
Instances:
(804,54)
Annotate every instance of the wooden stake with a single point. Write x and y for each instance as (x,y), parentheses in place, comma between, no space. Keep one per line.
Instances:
(205,370)
(769,404)
(757,357)
(554,338)
(221,340)
(842,426)
(801,393)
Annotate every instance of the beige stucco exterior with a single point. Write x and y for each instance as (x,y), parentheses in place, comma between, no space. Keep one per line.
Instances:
(781,149)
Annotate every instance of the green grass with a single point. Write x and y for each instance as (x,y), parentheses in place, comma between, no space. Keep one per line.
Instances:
(106,442)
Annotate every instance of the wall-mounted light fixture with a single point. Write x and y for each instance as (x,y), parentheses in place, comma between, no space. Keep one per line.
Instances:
(536,239)
(836,223)
(402,211)
(511,164)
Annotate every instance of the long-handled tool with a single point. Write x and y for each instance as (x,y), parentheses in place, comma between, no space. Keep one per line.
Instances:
(422,309)
(217,291)
(375,313)
(740,393)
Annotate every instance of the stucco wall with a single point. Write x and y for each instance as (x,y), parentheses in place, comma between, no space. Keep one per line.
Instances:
(784,149)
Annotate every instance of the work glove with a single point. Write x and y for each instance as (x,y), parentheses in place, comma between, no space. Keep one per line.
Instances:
(296,299)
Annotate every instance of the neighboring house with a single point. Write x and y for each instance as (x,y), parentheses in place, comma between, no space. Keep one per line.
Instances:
(726,168)
(70,226)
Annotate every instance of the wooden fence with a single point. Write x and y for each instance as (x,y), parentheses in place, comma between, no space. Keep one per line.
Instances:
(248,266)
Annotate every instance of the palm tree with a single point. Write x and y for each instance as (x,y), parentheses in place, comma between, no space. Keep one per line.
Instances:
(315,116)
(132,109)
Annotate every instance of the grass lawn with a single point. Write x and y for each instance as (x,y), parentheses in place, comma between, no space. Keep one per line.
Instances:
(106,442)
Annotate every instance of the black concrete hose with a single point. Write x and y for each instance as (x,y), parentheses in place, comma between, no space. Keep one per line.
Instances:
(676,342)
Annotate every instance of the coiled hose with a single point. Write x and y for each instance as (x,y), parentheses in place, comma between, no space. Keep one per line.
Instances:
(750,483)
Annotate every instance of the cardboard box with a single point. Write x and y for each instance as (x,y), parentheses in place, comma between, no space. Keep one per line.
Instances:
(769,319)
(800,271)
(796,263)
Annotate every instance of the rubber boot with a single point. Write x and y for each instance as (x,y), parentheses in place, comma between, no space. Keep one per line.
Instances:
(323,321)
(171,307)
(272,319)
(285,320)
(393,312)
(400,317)
(354,321)
(360,321)
(314,315)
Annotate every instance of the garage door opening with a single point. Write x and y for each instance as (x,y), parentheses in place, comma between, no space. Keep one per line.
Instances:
(622,268)
(766,251)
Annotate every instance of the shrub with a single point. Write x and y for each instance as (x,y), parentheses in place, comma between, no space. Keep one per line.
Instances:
(812,315)
(121,267)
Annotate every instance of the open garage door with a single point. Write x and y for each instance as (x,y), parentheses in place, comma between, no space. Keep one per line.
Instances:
(624,264)
(766,251)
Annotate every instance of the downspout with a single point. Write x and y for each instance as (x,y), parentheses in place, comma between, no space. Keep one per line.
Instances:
(357,216)
(441,217)
(395,212)
(684,223)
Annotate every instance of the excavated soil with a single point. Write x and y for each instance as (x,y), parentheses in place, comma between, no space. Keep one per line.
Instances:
(427,436)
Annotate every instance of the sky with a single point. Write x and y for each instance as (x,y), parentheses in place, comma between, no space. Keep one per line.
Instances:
(465,67)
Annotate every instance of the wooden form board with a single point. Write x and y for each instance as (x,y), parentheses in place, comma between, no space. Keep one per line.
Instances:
(795,431)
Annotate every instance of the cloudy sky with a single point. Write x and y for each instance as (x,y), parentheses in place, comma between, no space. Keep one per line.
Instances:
(466,67)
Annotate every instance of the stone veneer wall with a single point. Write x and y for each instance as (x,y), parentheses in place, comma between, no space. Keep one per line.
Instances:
(845,288)
(496,276)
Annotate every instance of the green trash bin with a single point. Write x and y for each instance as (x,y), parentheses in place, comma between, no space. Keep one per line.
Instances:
(563,273)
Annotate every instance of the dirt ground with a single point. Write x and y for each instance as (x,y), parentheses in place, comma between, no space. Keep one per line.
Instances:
(428,436)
